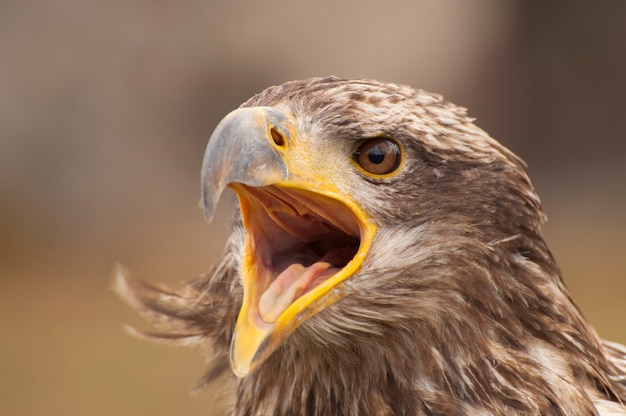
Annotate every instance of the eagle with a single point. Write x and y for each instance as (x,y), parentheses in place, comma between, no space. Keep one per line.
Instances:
(386,258)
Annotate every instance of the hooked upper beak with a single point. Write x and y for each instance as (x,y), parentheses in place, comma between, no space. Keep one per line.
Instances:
(239,152)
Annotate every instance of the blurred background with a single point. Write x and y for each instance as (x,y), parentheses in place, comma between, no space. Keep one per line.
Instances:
(106,108)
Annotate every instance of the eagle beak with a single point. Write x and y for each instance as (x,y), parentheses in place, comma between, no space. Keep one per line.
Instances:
(304,236)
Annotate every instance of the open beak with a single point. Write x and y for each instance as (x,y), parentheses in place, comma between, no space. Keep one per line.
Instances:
(304,236)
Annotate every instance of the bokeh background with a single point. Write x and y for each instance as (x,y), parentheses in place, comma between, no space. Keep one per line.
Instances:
(105,111)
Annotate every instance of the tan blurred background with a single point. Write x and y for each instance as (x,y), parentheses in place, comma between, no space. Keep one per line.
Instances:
(106,107)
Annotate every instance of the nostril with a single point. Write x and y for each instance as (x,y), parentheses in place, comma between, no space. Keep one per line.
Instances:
(278,138)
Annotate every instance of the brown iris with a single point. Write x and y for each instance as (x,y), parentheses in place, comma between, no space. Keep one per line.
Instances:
(378,156)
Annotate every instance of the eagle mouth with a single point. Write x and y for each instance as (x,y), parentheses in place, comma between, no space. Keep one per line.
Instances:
(297,242)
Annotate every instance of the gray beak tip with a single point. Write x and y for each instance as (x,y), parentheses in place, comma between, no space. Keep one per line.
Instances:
(208,215)
(208,204)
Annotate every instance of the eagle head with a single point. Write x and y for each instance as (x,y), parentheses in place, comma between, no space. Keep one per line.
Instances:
(386,258)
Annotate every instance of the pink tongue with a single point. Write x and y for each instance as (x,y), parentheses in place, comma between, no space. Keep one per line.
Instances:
(287,287)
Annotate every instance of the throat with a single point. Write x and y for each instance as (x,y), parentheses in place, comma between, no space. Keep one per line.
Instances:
(305,377)
(380,375)
(296,273)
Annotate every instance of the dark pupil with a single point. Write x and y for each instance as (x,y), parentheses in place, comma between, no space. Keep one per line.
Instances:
(376,155)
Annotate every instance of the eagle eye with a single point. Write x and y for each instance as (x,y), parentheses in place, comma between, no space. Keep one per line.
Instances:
(378,156)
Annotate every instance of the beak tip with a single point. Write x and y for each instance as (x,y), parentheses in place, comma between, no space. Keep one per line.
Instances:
(240,372)
(208,217)
(208,206)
